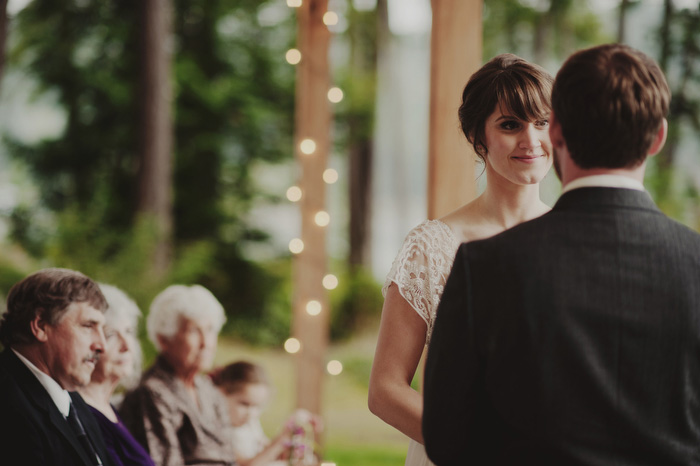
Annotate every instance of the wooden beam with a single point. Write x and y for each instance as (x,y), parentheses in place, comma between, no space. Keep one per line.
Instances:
(313,121)
(455,48)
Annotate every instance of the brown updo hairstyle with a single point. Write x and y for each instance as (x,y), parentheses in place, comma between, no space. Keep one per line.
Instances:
(517,86)
(233,377)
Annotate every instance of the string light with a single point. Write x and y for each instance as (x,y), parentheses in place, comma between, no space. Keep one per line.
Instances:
(296,246)
(334,367)
(308,146)
(330,18)
(330,176)
(293,56)
(335,94)
(313,308)
(292,345)
(294,193)
(293,3)
(330,282)
(322,218)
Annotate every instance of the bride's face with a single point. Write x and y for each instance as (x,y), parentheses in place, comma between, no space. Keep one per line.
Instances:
(518,151)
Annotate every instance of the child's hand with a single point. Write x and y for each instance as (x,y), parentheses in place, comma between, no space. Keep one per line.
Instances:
(316,423)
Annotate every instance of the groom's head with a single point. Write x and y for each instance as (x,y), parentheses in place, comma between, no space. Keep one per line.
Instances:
(610,103)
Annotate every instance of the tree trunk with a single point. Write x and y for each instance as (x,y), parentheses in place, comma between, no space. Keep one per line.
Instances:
(665,34)
(664,159)
(3,36)
(621,19)
(156,129)
(541,39)
(363,69)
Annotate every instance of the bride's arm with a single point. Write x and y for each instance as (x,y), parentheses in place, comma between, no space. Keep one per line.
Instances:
(399,349)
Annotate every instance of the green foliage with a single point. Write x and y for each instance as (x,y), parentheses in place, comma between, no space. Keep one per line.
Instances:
(233,107)
(362,455)
(674,190)
(357,299)
(359,370)
(548,30)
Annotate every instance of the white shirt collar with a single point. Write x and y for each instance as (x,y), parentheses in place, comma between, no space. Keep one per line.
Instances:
(59,396)
(604,181)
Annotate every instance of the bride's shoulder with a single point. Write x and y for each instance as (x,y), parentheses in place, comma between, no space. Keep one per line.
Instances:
(431,231)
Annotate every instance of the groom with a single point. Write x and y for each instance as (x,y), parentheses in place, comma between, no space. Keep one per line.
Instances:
(575,338)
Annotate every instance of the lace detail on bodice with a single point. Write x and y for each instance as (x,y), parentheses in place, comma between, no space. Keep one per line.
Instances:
(422,266)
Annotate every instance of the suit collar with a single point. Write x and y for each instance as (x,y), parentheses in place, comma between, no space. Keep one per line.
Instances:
(57,393)
(37,395)
(603,197)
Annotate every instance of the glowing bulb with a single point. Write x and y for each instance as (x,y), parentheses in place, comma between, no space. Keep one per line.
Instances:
(293,3)
(330,18)
(313,308)
(292,345)
(294,193)
(293,56)
(330,176)
(334,367)
(296,246)
(335,94)
(330,282)
(322,218)
(308,146)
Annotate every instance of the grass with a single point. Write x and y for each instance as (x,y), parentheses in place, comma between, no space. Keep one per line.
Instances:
(353,436)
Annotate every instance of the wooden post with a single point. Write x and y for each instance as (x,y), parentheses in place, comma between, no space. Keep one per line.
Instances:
(313,121)
(455,48)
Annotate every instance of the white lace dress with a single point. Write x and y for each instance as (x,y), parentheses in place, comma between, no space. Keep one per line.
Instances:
(420,271)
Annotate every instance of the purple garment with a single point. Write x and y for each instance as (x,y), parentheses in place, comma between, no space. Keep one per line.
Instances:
(121,445)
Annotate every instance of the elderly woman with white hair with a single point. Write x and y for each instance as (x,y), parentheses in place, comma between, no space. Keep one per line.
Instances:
(176,412)
(119,365)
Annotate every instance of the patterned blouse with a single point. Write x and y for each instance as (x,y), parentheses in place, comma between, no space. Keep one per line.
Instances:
(168,423)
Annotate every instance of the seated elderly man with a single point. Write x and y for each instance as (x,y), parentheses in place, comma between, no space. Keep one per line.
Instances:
(52,333)
(177,413)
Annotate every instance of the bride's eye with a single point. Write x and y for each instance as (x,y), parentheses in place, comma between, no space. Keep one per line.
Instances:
(510,125)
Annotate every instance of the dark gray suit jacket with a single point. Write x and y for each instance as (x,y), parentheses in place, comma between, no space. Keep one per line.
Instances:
(33,432)
(571,339)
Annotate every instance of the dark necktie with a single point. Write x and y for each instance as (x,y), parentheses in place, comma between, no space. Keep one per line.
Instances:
(77,426)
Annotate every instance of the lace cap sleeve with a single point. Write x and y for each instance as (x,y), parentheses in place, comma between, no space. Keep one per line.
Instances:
(421,268)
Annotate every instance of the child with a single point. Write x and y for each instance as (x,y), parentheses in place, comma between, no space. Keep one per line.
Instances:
(247,390)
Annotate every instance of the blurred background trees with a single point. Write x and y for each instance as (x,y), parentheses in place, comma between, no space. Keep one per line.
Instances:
(232,107)
(216,115)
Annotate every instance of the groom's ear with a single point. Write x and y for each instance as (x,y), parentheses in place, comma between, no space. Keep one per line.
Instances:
(555,134)
(659,140)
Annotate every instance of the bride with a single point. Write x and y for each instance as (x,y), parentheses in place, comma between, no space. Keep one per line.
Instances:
(504,111)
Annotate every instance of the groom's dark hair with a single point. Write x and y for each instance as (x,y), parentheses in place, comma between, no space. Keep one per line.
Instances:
(610,101)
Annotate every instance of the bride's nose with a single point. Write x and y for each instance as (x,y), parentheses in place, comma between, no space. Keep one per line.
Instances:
(530,138)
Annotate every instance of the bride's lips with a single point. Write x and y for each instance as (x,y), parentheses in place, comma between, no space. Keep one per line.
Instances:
(528,158)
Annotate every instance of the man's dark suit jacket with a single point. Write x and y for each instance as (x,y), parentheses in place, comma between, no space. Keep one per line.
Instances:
(33,432)
(572,339)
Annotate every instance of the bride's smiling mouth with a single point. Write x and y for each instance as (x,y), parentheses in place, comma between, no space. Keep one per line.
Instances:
(528,158)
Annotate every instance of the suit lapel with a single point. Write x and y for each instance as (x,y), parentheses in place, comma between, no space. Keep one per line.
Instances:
(37,396)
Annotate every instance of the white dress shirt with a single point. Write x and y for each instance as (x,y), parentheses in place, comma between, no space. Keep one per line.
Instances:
(59,396)
(604,181)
